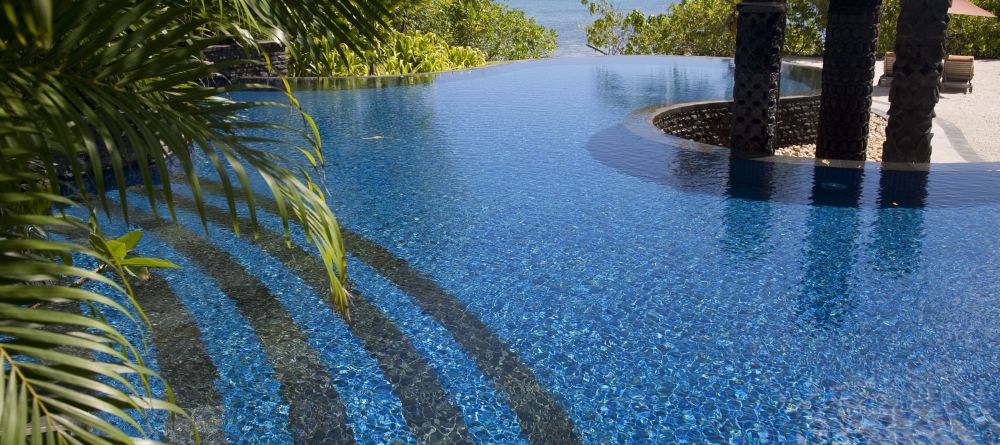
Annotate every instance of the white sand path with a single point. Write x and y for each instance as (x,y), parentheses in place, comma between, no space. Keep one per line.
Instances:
(967,126)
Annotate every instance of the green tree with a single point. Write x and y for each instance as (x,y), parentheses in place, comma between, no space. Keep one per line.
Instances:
(707,27)
(92,86)
(503,33)
(967,35)
(397,53)
(695,27)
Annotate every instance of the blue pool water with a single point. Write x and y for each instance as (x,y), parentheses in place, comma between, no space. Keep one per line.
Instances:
(559,274)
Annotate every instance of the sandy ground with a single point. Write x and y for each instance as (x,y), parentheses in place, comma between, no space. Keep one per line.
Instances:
(976,116)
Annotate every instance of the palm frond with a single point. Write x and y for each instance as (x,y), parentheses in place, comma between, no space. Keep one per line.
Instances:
(300,24)
(88,91)
(52,388)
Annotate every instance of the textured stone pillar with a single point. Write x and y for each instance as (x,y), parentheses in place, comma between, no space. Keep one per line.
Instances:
(920,40)
(760,36)
(848,71)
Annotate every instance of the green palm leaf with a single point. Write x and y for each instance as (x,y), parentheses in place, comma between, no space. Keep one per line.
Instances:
(91,89)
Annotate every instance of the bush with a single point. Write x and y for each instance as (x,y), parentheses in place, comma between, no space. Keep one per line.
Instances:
(967,35)
(419,52)
(694,27)
(499,31)
(708,28)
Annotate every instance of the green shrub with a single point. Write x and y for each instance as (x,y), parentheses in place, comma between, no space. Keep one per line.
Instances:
(694,27)
(708,28)
(967,35)
(398,53)
(503,33)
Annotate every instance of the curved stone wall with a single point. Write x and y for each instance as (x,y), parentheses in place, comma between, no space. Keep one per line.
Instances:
(248,72)
(709,122)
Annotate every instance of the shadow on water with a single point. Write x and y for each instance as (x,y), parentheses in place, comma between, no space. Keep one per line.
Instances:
(830,248)
(835,197)
(635,150)
(747,217)
(897,232)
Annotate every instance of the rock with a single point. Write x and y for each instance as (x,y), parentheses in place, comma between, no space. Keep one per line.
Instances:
(876,137)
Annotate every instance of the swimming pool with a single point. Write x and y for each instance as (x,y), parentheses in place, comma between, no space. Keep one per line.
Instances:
(531,268)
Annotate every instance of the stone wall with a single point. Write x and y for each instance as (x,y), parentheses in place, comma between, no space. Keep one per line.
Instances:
(709,122)
(249,71)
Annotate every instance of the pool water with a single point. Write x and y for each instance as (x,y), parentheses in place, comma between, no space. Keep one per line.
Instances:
(531,268)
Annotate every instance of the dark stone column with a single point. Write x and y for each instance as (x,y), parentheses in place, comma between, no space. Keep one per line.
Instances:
(848,70)
(760,36)
(920,40)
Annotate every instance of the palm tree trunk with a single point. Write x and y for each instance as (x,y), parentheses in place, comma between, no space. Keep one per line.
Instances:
(760,36)
(920,40)
(848,70)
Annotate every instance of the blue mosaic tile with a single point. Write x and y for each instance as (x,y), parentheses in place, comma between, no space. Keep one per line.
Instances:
(253,410)
(133,329)
(487,415)
(669,306)
(374,411)
(666,313)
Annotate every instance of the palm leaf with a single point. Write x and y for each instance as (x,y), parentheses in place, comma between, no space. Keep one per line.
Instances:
(93,88)
(301,24)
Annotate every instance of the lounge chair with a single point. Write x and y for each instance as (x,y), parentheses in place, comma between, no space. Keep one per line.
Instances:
(890,60)
(958,72)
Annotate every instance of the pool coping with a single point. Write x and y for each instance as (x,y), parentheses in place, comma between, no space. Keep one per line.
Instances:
(641,123)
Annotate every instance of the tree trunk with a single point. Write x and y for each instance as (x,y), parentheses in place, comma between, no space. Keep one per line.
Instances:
(848,71)
(760,36)
(920,40)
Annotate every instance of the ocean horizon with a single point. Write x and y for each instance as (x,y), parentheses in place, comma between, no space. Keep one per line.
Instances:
(568,17)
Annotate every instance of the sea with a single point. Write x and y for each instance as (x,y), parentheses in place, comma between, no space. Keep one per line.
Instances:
(568,17)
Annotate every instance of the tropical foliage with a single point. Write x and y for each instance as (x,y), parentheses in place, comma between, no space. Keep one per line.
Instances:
(88,89)
(429,36)
(708,28)
(297,24)
(398,53)
(503,33)
(967,35)
(695,27)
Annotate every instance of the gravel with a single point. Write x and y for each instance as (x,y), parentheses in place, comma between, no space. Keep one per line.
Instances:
(876,136)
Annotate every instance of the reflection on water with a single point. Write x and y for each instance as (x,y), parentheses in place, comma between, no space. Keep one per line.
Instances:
(898,233)
(802,74)
(698,168)
(833,224)
(592,251)
(746,218)
(833,227)
(674,83)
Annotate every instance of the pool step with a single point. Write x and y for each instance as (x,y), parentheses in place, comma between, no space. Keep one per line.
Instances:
(431,418)
(183,362)
(317,413)
(543,420)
